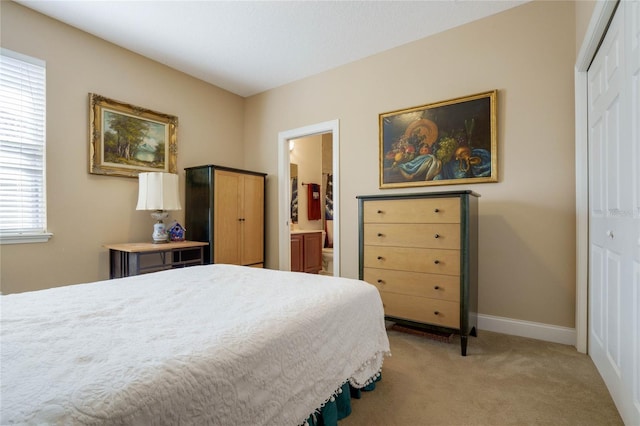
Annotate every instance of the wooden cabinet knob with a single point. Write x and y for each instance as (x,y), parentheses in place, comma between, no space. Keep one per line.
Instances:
(437,262)
(436,313)
(379,211)
(436,287)
(436,210)
(380,281)
(380,257)
(436,236)
(380,235)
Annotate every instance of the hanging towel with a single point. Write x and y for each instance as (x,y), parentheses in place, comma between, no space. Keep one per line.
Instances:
(313,202)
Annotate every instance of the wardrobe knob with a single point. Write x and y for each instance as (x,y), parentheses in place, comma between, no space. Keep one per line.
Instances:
(436,313)
(380,257)
(436,236)
(380,281)
(437,262)
(379,211)
(380,235)
(436,287)
(436,211)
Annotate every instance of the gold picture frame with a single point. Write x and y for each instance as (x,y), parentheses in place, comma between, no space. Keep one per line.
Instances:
(443,143)
(125,140)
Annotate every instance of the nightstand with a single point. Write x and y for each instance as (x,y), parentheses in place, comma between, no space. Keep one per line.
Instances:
(129,259)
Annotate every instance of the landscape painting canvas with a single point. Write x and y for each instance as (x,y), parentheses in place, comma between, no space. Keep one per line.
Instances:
(448,142)
(127,140)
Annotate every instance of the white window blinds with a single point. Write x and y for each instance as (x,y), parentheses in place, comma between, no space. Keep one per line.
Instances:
(22,148)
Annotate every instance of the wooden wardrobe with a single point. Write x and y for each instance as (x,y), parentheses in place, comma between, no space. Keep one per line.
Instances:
(225,207)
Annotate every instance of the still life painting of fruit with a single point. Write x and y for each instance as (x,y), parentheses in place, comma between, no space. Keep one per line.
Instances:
(449,142)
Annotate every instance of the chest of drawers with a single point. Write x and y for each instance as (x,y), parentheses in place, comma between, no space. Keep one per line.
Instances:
(420,251)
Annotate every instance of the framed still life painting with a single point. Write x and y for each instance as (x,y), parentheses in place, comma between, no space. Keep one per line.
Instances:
(444,143)
(125,140)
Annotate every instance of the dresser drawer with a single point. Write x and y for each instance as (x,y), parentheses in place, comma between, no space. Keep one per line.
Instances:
(422,309)
(444,287)
(424,235)
(426,210)
(433,261)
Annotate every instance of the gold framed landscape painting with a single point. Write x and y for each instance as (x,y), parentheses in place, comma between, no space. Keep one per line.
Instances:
(126,140)
(444,143)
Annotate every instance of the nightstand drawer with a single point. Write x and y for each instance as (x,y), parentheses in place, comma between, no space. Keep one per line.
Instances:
(426,210)
(423,235)
(444,287)
(423,309)
(433,261)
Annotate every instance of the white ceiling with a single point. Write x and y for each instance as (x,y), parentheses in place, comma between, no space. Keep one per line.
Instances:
(248,47)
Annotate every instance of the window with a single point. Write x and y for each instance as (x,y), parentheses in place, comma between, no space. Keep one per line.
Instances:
(23,215)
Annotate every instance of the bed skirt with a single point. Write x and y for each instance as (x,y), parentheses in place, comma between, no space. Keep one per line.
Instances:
(339,406)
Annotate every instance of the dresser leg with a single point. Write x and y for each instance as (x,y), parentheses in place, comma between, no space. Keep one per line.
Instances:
(463,344)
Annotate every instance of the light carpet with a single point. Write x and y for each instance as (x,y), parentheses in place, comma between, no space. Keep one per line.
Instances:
(503,380)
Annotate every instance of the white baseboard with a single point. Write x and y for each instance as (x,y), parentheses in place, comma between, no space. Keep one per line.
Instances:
(533,330)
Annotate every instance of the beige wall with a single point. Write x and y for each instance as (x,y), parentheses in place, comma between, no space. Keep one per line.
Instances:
(527,220)
(84,210)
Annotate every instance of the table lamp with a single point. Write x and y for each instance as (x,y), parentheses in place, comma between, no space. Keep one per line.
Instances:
(158,192)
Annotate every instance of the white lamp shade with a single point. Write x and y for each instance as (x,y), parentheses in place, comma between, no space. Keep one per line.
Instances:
(158,191)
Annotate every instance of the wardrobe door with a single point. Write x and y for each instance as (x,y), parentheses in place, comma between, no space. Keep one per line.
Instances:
(227,217)
(252,219)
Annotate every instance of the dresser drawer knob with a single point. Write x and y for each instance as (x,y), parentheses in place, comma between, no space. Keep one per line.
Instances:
(436,211)
(380,235)
(436,236)
(380,258)
(380,281)
(436,287)
(379,211)
(436,313)
(437,262)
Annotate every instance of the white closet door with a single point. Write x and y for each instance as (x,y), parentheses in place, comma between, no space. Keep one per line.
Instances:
(614,215)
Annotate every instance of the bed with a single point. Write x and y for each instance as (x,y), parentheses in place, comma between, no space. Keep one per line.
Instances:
(211,344)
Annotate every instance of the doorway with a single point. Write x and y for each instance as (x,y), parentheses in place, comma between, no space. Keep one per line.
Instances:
(284,189)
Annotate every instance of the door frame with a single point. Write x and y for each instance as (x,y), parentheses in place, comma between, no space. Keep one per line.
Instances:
(600,18)
(284,189)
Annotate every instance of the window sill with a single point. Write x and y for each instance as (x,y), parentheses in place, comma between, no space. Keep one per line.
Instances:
(25,238)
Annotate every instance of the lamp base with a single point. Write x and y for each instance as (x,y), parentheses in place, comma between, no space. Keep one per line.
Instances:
(159,235)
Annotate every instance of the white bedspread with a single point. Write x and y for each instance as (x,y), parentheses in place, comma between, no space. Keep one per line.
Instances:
(214,344)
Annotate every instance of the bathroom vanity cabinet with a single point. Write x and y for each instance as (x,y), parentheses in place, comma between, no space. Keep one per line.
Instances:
(306,251)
